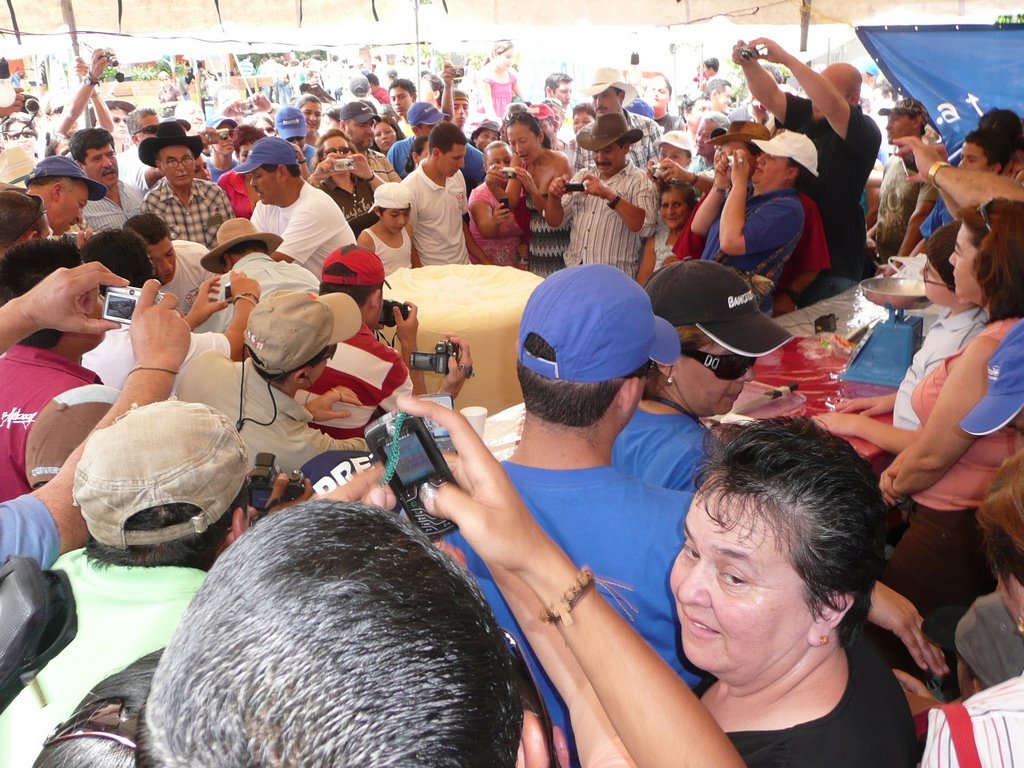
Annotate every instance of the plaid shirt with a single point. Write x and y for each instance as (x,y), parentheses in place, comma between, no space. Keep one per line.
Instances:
(208,208)
(639,153)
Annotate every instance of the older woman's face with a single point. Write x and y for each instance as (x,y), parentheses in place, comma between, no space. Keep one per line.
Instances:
(964,261)
(701,391)
(740,601)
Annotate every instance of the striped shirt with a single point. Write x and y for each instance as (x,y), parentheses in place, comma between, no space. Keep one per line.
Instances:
(597,234)
(106,214)
(640,153)
(208,208)
(379,164)
(997,714)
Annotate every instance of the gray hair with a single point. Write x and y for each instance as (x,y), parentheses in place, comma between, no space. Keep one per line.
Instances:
(335,634)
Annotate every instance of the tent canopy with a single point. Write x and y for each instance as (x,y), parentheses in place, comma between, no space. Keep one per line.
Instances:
(328,23)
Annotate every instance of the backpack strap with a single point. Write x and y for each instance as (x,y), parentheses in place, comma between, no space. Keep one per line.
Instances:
(962,731)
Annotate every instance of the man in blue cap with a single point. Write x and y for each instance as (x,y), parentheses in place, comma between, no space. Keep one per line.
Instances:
(64,189)
(308,221)
(422,117)
(1003,404)
(291,126)
(586,341)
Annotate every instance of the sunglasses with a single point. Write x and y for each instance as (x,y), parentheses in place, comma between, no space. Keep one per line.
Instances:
(149,130)
(725,367)
(103,719)
(983,211)
(530,695)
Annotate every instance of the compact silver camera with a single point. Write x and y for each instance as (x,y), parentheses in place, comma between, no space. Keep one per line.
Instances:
(119,304)
(344,165)
(509,173)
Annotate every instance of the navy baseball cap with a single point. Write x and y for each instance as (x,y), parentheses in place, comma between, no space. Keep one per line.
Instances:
(423,113)
(65,167)
(359,111)
(1005,396)
(599,323)
(290,123)
(269,151)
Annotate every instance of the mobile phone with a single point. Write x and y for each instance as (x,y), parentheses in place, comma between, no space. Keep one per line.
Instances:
(226,287)
(419,463)
(119,304)
(575,187)
(440,434)
(503,202)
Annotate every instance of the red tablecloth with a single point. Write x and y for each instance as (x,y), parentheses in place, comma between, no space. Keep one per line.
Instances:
(816,367)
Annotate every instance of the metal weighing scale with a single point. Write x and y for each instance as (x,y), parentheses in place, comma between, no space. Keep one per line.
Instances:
(887,349)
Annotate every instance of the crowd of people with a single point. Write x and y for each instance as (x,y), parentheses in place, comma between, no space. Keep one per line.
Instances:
(633,586)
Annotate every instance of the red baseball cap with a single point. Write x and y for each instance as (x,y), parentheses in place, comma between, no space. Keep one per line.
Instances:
(359,267)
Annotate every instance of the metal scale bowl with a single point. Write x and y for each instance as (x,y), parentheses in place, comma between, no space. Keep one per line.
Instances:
(887,349)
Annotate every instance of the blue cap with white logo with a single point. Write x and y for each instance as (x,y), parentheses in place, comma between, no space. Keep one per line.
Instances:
(269,151)
(290,123)
(65,167)
(1005,396)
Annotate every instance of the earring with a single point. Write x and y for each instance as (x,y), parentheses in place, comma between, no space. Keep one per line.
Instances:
(1020,625)
(823,640)
(670,381)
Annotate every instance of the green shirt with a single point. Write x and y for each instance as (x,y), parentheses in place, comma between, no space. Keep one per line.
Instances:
(123,614)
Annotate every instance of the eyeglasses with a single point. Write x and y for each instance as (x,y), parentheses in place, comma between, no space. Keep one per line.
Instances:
(149,130)
(725,367)
(23,135)
(103,719)
(174,162)
(530,695)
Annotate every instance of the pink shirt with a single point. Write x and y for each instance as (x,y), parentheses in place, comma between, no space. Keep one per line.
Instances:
(503,248)
(965,483)
(29,379)
(502,93)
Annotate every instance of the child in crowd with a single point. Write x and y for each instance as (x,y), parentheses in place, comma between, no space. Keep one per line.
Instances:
(391,237)
(417,152)
(957,324)
(496,219)
(677,203)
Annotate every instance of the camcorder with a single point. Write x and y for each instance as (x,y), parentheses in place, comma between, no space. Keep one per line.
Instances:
(436,361)
(387,314)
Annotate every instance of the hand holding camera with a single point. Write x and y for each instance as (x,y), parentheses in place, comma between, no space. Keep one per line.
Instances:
(270,487)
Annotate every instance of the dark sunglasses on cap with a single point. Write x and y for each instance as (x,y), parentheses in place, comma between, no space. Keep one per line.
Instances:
(725,367)
(102,719)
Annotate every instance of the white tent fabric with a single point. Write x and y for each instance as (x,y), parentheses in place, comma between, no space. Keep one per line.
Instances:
(328,23)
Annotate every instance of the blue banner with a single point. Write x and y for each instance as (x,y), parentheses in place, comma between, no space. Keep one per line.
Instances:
(958,72)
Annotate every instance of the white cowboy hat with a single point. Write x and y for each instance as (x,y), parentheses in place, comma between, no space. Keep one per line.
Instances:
(609,77)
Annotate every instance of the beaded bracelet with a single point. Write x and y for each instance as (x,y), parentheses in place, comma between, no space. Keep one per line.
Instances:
(561,610)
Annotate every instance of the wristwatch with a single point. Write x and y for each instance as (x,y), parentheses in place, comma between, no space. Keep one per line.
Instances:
(614,201)
(936,167)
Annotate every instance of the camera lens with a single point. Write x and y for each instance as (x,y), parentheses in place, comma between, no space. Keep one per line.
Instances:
(31,105)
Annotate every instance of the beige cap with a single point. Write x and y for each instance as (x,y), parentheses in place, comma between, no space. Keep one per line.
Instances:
(290,328)
(231,233)
(164,453)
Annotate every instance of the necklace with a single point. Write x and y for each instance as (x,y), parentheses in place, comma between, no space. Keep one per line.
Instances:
(672,404)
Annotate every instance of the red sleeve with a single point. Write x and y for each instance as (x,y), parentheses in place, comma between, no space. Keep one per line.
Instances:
(811,254)
(689,245)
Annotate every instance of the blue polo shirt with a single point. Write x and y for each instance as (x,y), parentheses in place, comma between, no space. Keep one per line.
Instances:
(773,220)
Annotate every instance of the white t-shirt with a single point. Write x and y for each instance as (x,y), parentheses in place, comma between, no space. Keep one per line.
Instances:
(131,170)
(114,358)
(188,273)
(312,227)
(436,218)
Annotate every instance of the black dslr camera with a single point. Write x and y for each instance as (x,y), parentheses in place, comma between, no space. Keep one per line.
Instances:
(437,361)
(261,482)
(387,315)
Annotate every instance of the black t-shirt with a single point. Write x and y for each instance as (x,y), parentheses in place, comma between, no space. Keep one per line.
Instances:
(843,169)
(669,122)
(871,727)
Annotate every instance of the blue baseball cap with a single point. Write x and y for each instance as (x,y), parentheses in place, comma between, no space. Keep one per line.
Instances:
(1005,396)
(600,324)
(65,167)
(640,107)
(290,123)
(219,120)
(423,113)
(269,151)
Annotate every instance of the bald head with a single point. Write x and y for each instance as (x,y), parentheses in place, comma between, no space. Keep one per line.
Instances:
(846,80)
